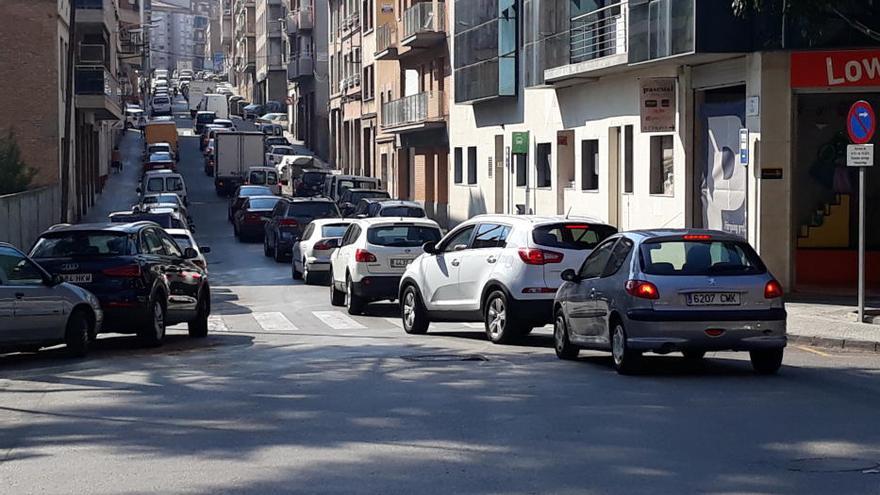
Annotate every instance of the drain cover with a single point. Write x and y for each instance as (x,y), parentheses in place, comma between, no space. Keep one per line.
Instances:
(443,358)
(833,465)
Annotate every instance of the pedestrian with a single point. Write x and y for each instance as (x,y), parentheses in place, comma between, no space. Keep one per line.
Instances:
(115,160)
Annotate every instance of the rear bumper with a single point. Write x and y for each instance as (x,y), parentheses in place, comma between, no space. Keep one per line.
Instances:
(123,319)
(535,312)
(377,288)
(251,230)
(318,265)
(665,333)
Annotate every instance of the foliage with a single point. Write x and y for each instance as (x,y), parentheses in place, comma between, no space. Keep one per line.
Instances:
(15,175)
(812,18)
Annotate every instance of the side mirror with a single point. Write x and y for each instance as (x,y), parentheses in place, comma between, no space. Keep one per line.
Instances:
(138,190)
(460,247)
(570,276)
(55,280)
(362,215)
(190,253)
(205,249)
(430,247)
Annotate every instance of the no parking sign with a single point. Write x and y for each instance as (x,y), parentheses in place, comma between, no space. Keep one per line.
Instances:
(861,122)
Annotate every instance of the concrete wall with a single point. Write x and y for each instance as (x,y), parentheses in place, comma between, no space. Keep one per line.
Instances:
(26,215)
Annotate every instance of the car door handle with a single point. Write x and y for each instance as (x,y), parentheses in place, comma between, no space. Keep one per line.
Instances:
(19,295)
(593,293)
(455,263)
(491,259)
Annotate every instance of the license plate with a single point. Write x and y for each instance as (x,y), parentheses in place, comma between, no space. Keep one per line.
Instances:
(714,299)
(399,263)
(77,278)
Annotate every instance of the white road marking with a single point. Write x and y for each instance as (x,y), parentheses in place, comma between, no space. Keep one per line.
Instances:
(216,324)
(274,321)
(395,321)
(336,320)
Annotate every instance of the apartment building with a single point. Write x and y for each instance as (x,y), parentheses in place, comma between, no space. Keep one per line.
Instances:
(345,85)
(213,47)
(161,49)
(245,49)
(226,40)
(308,74)
(271,61)
(201,12)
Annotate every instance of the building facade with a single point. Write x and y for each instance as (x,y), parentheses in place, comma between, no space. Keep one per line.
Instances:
(345,85)
(271,59)
(245,49)
(308,74)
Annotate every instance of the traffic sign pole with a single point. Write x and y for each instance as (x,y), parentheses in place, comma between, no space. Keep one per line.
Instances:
(862,244)
(861,123)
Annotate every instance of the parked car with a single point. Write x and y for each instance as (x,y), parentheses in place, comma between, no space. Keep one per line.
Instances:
(311,254)
(41,310)
(277,153)
(677,290)
(288,221)
(272,118)
(270,129)
(372,257)
(335,185)
(275,141)
(379,207)
(143,280)
(241,194)
(252,111)
(203,118)
(500,269)
(184,239)
(351,197)
(250,220)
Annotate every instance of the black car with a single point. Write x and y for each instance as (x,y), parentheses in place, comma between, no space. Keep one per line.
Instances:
(141,277)
(288,221)
(241,194)
(249,221)
(311,183)
(351,197)
(202,119)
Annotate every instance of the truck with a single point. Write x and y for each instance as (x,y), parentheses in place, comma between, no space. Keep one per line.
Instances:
(183,65)
(197,89)
(161,132)
(234,154)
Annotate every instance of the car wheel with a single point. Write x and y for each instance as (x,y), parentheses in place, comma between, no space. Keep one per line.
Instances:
(694,355)
(152,333)
(625,360)
(277,253)
(76,336)
(337,297)
(564,348)
(294,272)
(198,328)
(353,302)
(308,277)
(266,251)
(766,362)
(413,312)
(228,212)
(500,328)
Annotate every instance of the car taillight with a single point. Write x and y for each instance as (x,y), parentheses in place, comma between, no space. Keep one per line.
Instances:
(642,289)
(252,217)
(288,222)
(325,245)
(772,290)
(534,256)
(127,271)
(362,256)
(697,237)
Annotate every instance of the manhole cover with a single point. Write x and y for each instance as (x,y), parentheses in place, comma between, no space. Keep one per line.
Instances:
(444,358)
(833,465)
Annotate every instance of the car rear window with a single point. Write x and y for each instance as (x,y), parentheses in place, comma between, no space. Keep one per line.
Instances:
(71,244)
(402,211)
(263,203)
(158,148)
(182,241)
(694,258)
(313,178)
(578,236)
(263,177)
(357,196)
(313,210)
(156,184)
(334,230)
(402,235)
(161,101)
(205,118)
(254,191)
(174,183)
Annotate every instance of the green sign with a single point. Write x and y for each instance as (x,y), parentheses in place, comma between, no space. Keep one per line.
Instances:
(520,143)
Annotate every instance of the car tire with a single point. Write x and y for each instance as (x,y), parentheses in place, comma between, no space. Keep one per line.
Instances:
(564,348)
(277,254)
(500,328)
(307,276)
(266,251)
(694,355)
(413,312)
(296,274)
(152,333)
(625,360)
(354,303)
(767,362)
(198,328)
(337,297)
(77,334)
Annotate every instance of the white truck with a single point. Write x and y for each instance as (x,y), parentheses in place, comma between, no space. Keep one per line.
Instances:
(234,154)
(197,89)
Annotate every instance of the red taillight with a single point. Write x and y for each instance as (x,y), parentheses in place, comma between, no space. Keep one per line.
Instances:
(362,256)
(325,245)
(697,237)
(577,227)
(128,271)
(534,256)
(772,290)
(252,217)
(642,289)
(288,222)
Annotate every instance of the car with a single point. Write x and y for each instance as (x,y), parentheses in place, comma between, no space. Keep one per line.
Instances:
(250,220)
(311,183)
(275,141)
(351,197)
(252,111)
(159,161)
(336,184)
(289,219)
(168,218)
(271,129)
(241,194)
(163,181)
(163,200)
(161,148)
(161,104)
(225,123)
(142,279)
(272,118)
(378,207)
(134,117)
(502,270)
(373,256)
(203,118)
(311,254)
(672,290)
(277,153)
(184,239)
(263,176)
(41,310)
(209,131)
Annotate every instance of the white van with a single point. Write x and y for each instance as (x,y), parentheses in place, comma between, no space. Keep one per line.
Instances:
(163,181)
(213,102)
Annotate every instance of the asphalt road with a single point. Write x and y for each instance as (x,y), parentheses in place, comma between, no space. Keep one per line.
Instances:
(291,395)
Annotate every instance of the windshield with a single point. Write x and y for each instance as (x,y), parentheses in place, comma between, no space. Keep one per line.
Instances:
(321,209)
(263,203)
(204,118)
(680,257)
(70,244)
(357,196)
(183,241)
(402,211)
(577,236)
(402,235)
(313,178)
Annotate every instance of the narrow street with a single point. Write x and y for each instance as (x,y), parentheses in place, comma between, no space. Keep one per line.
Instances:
(291,395)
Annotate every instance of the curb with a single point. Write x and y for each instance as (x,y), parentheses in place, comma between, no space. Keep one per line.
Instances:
(832,343)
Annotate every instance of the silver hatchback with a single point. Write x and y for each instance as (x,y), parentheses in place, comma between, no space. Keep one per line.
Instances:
(663,291)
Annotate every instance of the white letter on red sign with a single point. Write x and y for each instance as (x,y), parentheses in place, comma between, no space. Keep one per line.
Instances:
(832,81)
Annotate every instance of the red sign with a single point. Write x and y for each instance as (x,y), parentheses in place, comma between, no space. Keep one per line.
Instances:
(851,68)
(861,123)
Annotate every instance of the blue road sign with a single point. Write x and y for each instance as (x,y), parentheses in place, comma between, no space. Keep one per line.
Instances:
(861,122)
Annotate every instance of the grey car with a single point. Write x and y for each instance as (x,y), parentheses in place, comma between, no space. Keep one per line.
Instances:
(38,310)
(662,291)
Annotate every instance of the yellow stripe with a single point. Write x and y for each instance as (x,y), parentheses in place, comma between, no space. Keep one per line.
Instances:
(814,351)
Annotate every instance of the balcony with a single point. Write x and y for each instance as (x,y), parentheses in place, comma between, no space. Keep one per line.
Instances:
(386,42)
(350,82)
(302,19)
(424,25)
(350,22)
(301,66)
(414,113)
(97,90)
(96,12)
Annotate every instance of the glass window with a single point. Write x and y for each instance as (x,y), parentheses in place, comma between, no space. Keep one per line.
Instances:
(472,165)
(458,238)
(522,171)
(329,231)
(458,172)
(73,244)
(314,210)
(156,184)
(596,262)
(618,256)
(351,235)
(491,236)
(257,177)
(402,235)
(15,269)
(174,183)
(183,241)
(716,258)
(628,159)
(263,203)
(171,247)
(662,164)
(542,162)
(152,244)
(572,235)
(307,234)
(590,165)
(402,211)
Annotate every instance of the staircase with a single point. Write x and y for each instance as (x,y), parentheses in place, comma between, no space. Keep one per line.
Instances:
(829,226)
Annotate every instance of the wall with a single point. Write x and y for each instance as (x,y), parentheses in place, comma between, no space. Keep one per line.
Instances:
(28,214)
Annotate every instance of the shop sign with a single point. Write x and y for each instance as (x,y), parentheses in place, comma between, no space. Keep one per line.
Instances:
(657,104)
(838,69)
(521,143)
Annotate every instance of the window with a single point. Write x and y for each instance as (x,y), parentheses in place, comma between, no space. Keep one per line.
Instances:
(574,235)
(351,235)
(457,172)
(152,244)
(472,165)
(170,246)
(522,171)
(69,244)
(459,238)
(700,258)
(15,269)
(491,236)
(335,230)
(628,159)
(369,89)
(367,9)
(618,256)
(402,235)
(542,163)
(308,232)
(590,165)
(662,162)
(595,264)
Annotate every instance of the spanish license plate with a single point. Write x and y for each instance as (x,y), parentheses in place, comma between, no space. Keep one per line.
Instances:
(77,278)
(400,263)
(714,299)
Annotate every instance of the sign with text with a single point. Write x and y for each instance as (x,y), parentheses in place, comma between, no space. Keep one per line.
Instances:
(521,143)
(657,104)
(835,69)
(744,147)
(860,155)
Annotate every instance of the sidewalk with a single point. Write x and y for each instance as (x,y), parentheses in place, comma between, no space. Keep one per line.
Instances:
(833,324)
(119,192)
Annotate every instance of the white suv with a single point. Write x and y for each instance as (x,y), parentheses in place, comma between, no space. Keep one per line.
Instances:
(372,257)
(503,270)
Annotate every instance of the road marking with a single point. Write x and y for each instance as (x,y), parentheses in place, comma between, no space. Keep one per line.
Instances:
(337,320)
(395,321)
(274,321)
(216,324)
(814,351)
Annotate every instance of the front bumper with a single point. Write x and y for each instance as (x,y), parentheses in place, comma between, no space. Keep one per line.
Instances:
(377,288)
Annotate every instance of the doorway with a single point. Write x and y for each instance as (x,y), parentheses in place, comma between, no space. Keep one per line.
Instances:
(564,167)
(614,191)
(498,176)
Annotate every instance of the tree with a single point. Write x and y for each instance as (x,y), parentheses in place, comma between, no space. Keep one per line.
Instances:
(811,16)
(15,175)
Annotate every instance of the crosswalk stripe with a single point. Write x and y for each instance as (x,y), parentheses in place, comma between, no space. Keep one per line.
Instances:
(395,321)
(273,321)
(336,320)
(216,324)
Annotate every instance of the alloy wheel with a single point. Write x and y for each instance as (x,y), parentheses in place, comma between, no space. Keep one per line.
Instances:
(618,345)
(497,316)
(158,321)
(409,309)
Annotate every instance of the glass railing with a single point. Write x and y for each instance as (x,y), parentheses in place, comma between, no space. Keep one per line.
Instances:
(600,33)
(415,109)
(95,81)
(386,37)
(423,18)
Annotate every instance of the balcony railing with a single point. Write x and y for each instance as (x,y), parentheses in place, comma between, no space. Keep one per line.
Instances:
(89,4)
(386,37)
(423,18)
(416,109)
(351,80)
(600,33)
(301,65)
(306,18)
(95,81)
